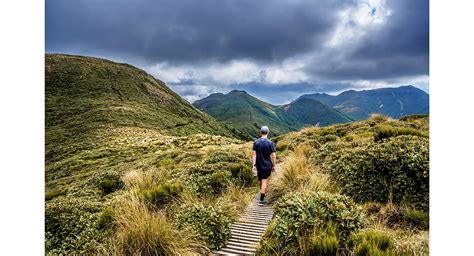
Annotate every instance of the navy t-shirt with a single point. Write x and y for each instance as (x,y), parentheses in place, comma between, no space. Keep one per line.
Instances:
(264,147)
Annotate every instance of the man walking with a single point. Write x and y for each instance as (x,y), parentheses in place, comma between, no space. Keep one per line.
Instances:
(264,161)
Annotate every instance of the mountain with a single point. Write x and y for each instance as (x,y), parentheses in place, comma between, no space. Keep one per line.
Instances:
(244,112)
(247,114)
(302,112)
(86,96)
(393,102)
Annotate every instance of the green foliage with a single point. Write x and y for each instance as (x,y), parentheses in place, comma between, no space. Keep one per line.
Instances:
(106,219)
(397,166)
(165,162)
(413,117)
(71,226)
(417,219)
(109,182)
(54,193)
(220,156)
(209,221)
(162,193)
(299,215)
(371,243)
(323,242)
(218,181)
(385,131)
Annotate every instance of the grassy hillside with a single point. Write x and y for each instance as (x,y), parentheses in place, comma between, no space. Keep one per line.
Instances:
(393,102)
(247,114)
(126,157)
(352,189)
(87,97)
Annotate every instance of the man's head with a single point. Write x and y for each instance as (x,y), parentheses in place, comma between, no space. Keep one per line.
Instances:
(264,130)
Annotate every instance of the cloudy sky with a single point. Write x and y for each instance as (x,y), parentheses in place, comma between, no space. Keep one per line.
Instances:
(275,50)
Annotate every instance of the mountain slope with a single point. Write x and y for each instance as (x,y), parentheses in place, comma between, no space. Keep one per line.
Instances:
(247,113)
(308,111)
(393,102)
(86,96)
(244,112)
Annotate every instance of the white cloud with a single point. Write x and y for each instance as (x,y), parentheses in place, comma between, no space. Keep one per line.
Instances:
(355,22)
(234,72)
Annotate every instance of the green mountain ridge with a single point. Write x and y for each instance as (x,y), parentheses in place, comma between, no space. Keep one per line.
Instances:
(247,113)
(393,102)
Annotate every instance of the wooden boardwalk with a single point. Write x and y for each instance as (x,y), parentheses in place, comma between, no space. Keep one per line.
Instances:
(248,230)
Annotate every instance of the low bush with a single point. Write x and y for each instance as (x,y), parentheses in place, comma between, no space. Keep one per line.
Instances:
(323,242)
(106,219)
(218,181)
(162,193)
(71,226)
(54,193)
(224,156)
(299,215)
(385,131)
(417,219)
(396,170)
(371,243)
(109,182)
(209,221)
(208,180)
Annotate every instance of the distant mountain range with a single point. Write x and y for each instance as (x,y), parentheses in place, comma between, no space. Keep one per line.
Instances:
(393,102)
(247,113)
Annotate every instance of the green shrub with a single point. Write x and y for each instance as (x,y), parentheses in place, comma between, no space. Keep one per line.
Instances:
(166,162)
(385,131)
(242,173)
(413,117)
(71,226)
(323,242)
(109,182)
(224,156)
(371,243)
(417,219)
(299,215)
(395,170)
(208,180)
(54,193)
(208,221)
(106,219)
(218,181)
(161,194)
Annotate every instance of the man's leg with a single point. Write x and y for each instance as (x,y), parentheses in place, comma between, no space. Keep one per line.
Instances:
(263,186)
(263,191)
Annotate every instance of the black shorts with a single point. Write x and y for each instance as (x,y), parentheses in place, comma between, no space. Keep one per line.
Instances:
(263,174)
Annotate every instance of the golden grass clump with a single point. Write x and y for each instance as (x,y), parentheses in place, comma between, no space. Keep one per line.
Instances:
(298,174)
(142,232)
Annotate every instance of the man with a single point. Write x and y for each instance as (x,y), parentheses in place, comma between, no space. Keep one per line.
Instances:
(264,160)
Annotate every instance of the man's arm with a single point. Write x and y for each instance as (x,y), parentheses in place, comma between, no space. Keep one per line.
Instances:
(254,158)
(274,160)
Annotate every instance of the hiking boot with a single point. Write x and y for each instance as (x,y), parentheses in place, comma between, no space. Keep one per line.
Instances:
(261,202)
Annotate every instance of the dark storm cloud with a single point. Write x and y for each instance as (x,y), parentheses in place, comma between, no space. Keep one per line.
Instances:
(187,31)
(185,42)
(398,48)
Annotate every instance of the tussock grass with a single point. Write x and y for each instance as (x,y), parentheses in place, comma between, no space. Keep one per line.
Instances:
(298,174)
(142,232)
